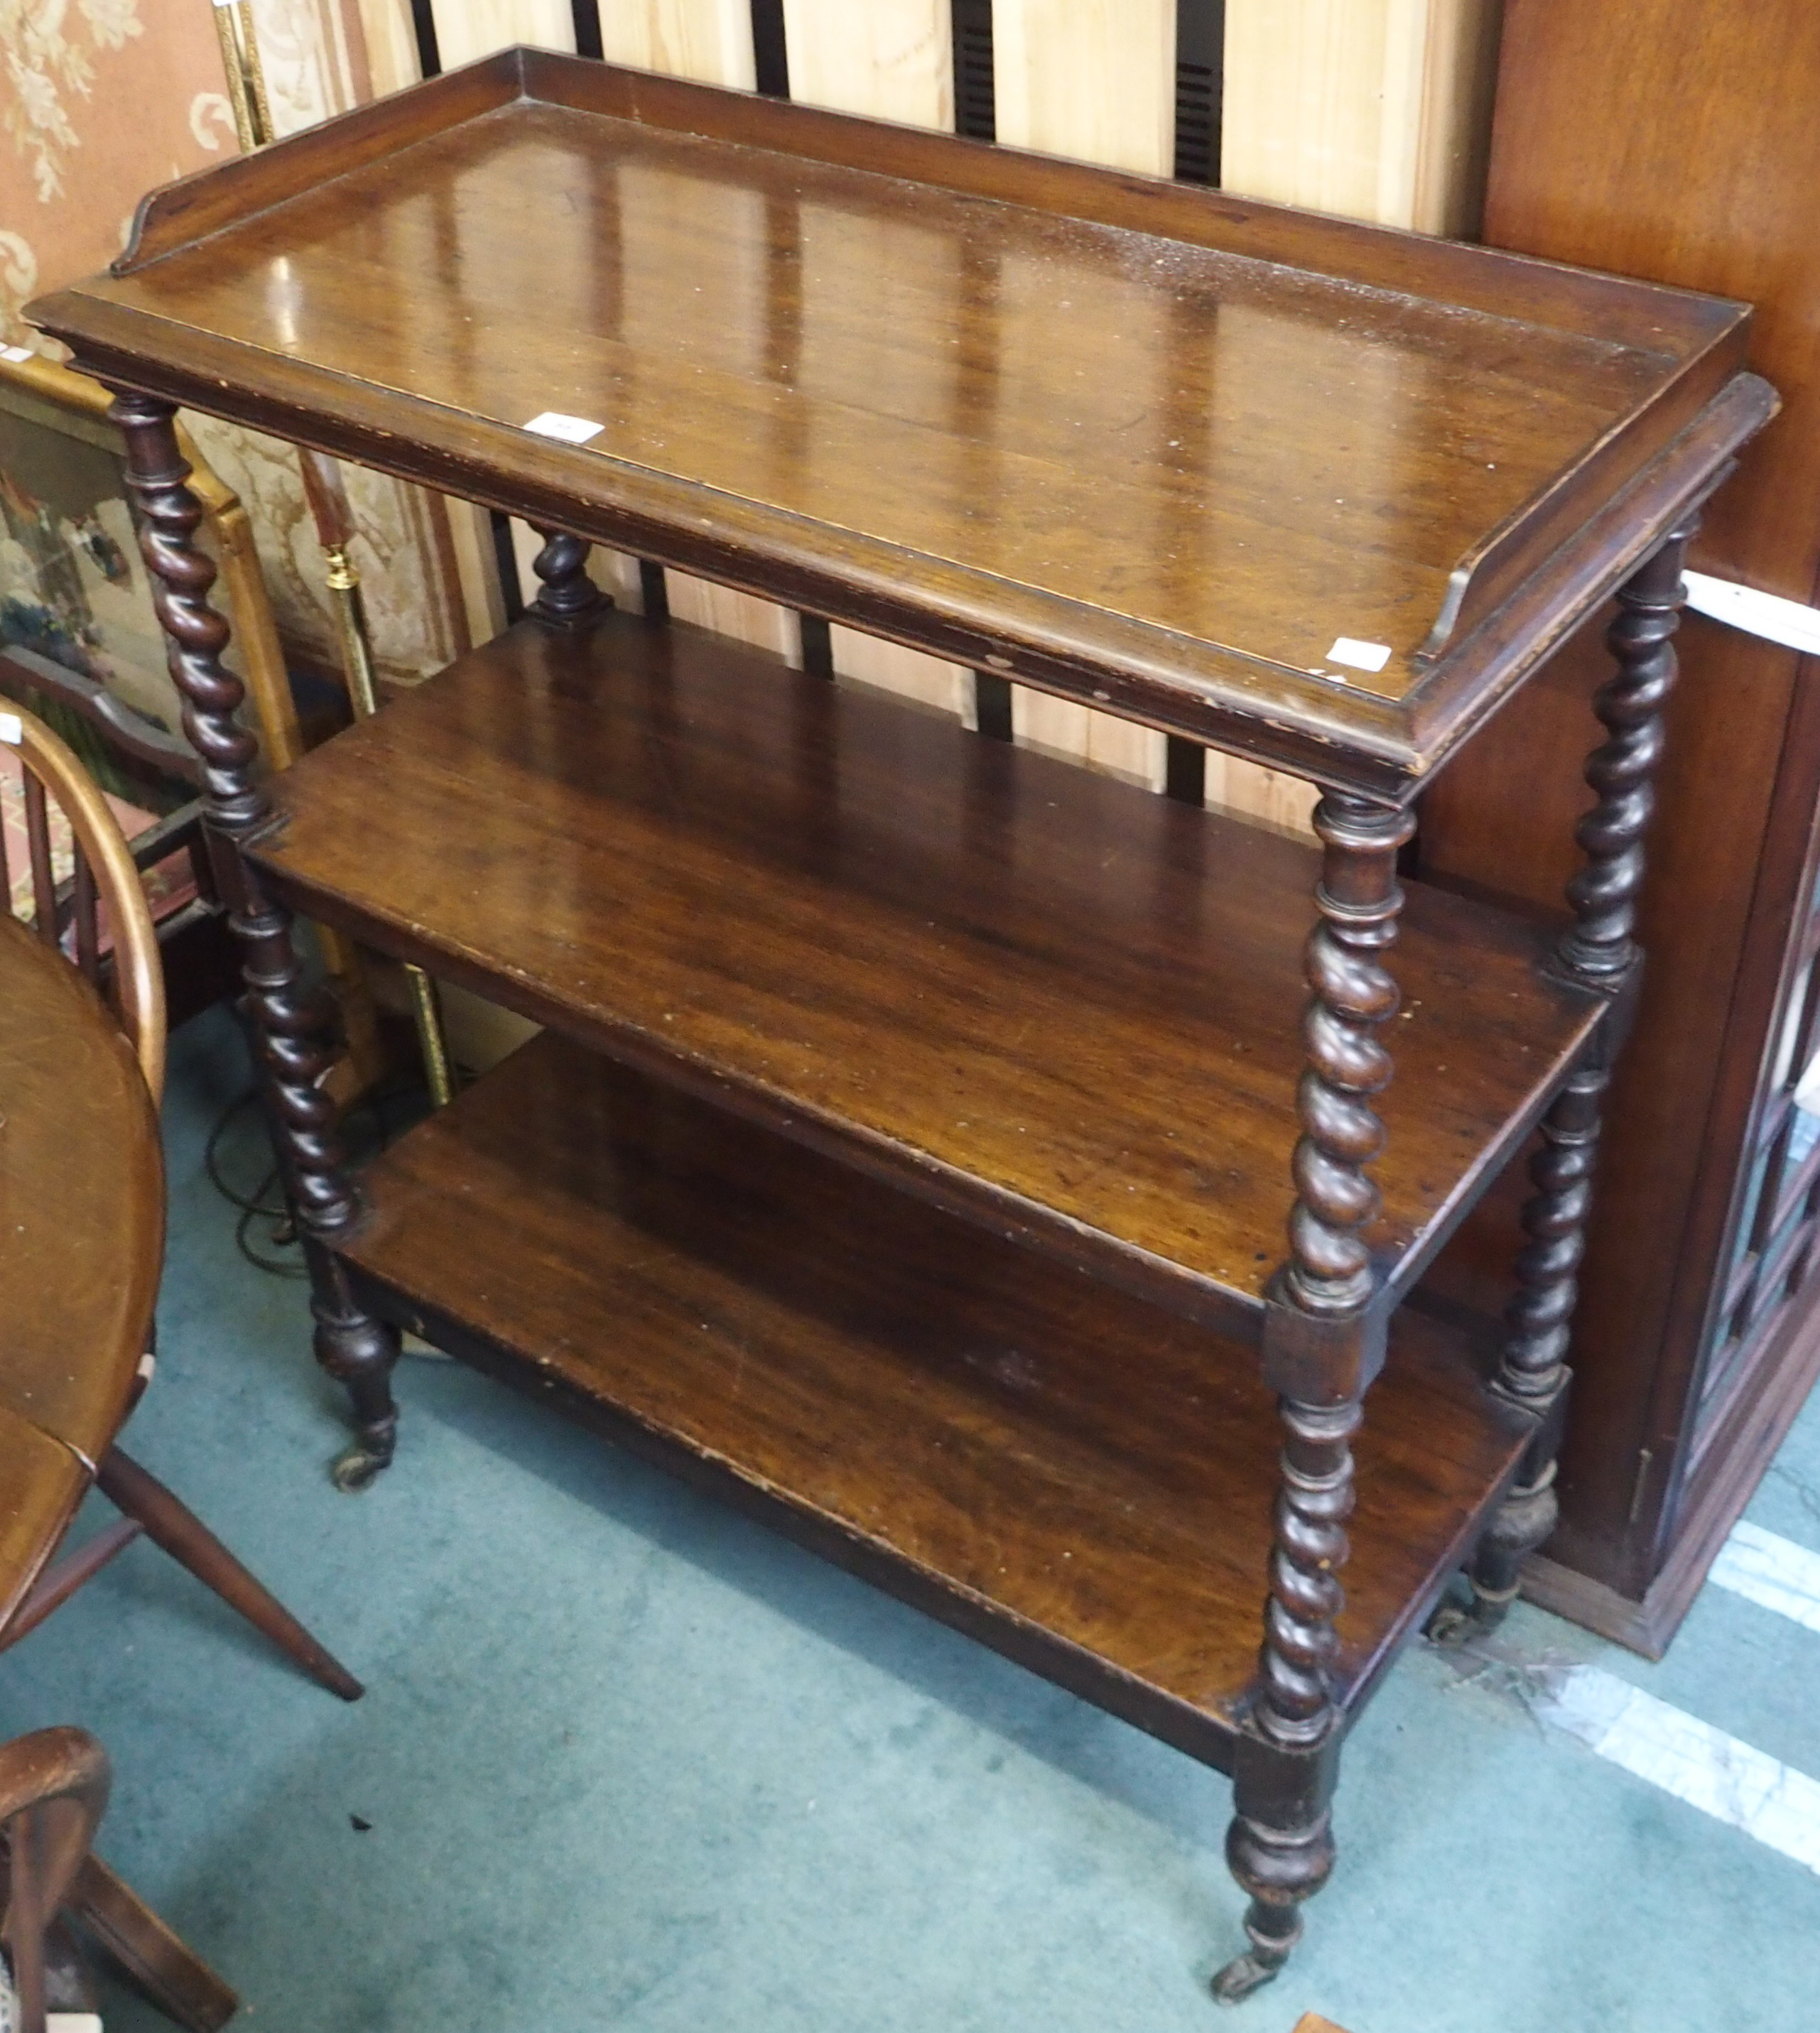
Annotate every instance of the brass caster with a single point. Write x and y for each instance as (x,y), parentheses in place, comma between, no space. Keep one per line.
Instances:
(356,1466)
(1246,1973)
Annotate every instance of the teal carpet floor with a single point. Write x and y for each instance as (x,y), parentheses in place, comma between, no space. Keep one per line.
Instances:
(627,1760)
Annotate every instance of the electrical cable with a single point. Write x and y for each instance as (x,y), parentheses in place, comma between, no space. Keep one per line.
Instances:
(367,1127)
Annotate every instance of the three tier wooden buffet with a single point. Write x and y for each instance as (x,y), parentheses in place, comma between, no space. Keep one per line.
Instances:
(911,1155)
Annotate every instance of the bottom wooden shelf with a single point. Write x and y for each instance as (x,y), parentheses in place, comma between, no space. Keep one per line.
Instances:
(1071,1476)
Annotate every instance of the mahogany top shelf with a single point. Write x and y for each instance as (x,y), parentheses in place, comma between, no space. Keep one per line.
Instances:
(1142,444)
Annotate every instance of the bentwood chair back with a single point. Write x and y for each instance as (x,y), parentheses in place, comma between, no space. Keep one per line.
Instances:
(99,912)
(98,917)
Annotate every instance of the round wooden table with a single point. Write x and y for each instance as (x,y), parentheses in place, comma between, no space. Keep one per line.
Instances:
(81,1244)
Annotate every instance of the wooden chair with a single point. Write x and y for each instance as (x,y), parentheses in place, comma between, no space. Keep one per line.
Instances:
(65,415)
(53,1786)
(108,918)
(153,783)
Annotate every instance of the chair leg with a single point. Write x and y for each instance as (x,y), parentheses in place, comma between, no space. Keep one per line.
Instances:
(76,1570)
(170,1974)
(172,1524)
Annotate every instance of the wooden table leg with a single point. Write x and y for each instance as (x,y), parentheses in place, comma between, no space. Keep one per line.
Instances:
(1324,1342)
(293,1027)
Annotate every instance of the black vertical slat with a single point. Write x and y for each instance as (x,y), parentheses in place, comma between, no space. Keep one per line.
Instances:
(1184,771)
(1199,53)
(511,586)
(653,591)
(976,118)
(975,113)
(423,20)
(770,57)
(1199,64)
(818,646)
(992,701)
(586,14)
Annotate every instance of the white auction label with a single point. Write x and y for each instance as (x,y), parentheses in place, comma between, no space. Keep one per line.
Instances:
(1359,656)
(12,730)
(572,430)
(15,353)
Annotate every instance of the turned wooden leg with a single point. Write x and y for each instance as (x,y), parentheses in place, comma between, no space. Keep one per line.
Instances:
(293,1027)
(567,595)
(1600,951)
(169,1523)
(1324,1342)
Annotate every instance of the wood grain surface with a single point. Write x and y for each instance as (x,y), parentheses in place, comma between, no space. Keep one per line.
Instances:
(1069,1475)
(1651,138)
(1139,465)
(1041,994)
(81,1201)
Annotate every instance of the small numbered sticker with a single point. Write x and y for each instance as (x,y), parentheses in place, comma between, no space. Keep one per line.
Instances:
(15,353)
(12,730)
(1359,656)
(572,430)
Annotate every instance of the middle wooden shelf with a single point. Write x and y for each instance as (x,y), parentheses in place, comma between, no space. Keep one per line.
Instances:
(1048,1001)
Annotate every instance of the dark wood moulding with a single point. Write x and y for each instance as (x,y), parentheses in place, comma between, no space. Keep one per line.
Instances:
(1027,414)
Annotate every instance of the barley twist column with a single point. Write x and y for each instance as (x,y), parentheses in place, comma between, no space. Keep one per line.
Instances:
(567,595)
(292,1026)
(1280,1844)
(1598,951)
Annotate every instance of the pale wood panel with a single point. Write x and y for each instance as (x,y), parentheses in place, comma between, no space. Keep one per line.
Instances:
(1094,79)
(390,39)
(1375,109)
(743,616)
(889,60)
(709,40)
(465,29)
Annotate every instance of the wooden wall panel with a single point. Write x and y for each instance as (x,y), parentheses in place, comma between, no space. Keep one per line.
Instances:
(887,59)
(1672,139)
(465,29)
(1375,109)
(1094,79)
(709,40)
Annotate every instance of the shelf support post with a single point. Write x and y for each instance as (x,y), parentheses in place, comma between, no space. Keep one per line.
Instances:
(1600,951)
(294,1025)
(567,597)
(1324,1342)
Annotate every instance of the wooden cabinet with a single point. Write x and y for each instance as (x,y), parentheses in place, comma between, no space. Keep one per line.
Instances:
(1674,142)
(912,1154)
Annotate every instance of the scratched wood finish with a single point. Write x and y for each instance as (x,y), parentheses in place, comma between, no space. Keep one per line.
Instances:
(42,1483)
(1187,562)
(774,885)
(1070,1475)
(81,1201)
